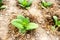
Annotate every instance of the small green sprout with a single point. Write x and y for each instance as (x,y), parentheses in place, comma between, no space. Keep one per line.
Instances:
(25,3)
(23,24)
(46,4)
(1,7)
(56,22)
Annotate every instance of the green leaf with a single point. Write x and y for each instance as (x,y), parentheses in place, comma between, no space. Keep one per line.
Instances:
(24,20)
(20,17)
(58,23)
(2,7)
(55,19)
(49,4)
(29,3)
(25,3)
(22,31)
(31,26)
(46,4)
(16,23)
(17,20)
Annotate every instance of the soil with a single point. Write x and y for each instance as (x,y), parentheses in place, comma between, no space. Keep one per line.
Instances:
(36,13)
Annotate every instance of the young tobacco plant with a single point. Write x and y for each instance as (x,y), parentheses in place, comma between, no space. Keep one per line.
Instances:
(1,7)
(23,24)
(25,3)
(56,22)
(46,4)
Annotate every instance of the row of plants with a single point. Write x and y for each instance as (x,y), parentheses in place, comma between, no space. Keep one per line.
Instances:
(24,24)
(27,3)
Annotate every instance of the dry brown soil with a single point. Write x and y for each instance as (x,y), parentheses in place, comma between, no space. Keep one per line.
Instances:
(36,13)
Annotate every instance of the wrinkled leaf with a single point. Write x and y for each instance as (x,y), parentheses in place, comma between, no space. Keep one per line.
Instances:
(24,20)
(49,4)
(25,3)
(2,7)
(20,17)
(46,4)
(55,19)
(22,31)
(58,23)
(31,26)
(16,23)
(29,3)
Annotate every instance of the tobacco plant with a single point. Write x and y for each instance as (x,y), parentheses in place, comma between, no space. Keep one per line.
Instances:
(46,4)
(23,24)
(25,3)
(56,22)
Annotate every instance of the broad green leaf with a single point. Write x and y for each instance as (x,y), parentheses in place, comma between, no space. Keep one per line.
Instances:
(26,20)
(22,31)
(29,3)
(16,23)
(24,3)
(2,7)
(49,3)
(55,19)
(31,26)
(20,17)
(17,20)
(58,23)
(46,4)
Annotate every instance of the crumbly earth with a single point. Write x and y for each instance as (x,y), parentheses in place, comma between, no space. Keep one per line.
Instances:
(36,13)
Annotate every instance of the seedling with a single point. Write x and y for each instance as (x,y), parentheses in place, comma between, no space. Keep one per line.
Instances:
(56,22)
(25,3)
(23,24)
(46,4)
(1,7)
